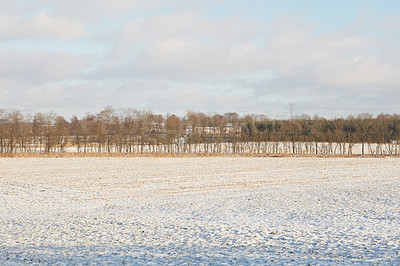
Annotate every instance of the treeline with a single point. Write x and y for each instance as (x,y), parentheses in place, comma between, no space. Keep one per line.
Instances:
(133,131)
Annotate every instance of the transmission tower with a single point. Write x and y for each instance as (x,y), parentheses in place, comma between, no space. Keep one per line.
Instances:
(291,105)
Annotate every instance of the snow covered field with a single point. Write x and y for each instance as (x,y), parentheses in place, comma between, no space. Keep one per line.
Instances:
(200,210)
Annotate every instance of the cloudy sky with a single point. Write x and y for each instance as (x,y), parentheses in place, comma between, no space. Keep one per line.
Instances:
(331,58)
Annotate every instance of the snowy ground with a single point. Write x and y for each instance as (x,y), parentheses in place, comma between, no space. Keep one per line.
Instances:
(200,210)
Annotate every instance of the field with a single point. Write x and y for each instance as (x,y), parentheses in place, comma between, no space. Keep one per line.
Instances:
(223,210)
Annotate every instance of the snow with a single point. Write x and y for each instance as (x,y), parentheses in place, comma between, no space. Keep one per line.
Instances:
(224,210)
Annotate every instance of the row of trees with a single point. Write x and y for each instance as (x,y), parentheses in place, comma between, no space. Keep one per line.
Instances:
(133,131)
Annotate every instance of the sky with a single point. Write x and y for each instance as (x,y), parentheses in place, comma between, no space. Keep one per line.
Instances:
(328,58)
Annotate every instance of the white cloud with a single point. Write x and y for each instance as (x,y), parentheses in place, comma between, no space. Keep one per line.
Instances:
(91,11)
(40,26)
(178,57)
(37,66)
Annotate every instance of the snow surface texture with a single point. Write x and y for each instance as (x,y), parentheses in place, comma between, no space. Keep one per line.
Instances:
(200,210)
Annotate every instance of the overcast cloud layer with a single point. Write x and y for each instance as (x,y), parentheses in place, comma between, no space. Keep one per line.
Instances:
(331,59)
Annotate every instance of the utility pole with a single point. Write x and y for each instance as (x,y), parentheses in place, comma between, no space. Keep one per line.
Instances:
(291,105)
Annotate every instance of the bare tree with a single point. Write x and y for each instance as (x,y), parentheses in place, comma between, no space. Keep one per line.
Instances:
(363,124)
(106,117)
(62,129)
(15,118)
(45,123)
(3,130)
(76,131)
